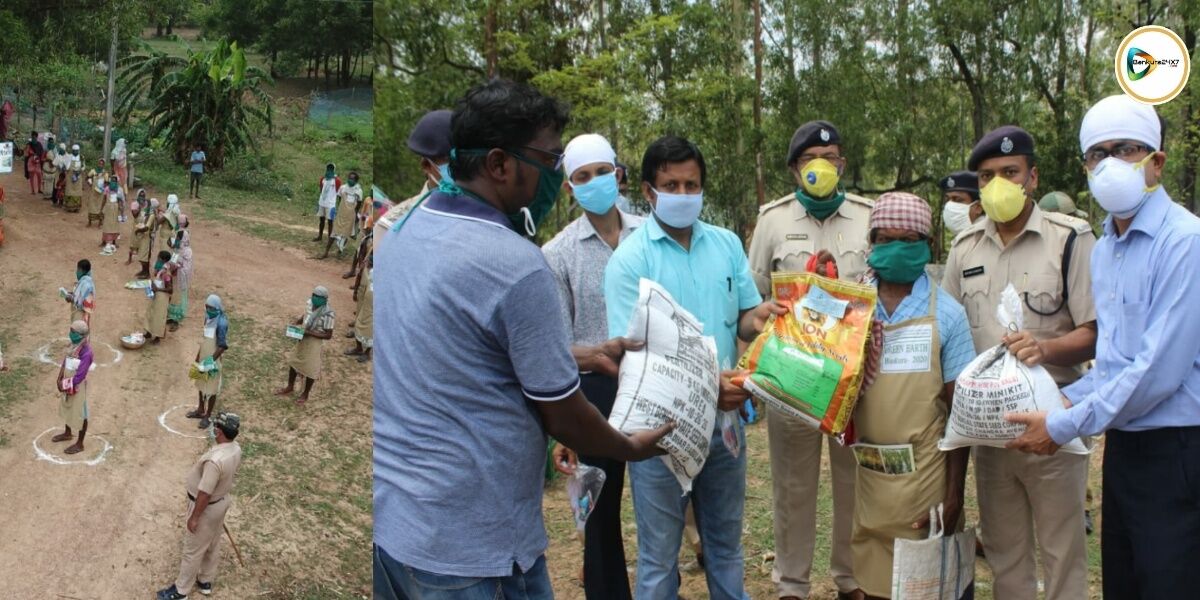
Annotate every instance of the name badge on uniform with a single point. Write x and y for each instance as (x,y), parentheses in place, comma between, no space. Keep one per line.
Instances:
(972,271)
(797,236)
(908,350)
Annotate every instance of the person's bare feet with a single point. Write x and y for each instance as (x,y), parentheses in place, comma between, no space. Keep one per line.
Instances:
(75,448)
(284,391)
(301,400)
(62,437)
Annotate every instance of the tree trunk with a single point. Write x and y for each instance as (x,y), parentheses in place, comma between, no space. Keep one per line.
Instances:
(346,58)
(274,59)
(326,60)
(760,183)
(170,25)
(158,30)
(489,38)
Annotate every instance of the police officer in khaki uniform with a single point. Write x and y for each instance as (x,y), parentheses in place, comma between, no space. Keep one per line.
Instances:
(1046,257)
(819,216)
(208,491)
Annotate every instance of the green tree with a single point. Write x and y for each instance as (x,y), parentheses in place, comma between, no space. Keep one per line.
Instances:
(211,98)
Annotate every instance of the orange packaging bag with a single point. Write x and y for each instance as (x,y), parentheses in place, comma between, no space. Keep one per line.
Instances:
(810,362)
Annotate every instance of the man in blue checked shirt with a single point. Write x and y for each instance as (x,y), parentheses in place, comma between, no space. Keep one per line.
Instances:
(1145,389)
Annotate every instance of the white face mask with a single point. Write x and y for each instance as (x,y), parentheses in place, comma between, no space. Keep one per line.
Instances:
(1119,186)
(956,216)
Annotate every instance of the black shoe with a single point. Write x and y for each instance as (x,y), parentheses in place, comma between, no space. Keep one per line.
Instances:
(195,414)
(204,588)
(171,593)
(203,423)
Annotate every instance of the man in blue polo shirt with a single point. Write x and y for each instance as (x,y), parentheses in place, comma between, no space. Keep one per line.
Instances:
(474,366)
(705,269)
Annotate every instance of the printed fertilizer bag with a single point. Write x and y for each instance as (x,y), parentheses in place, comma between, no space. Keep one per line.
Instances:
(809,363)
(675,377)
(996,383)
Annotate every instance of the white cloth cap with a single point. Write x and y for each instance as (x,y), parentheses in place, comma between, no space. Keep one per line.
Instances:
(172,199)
(1120,118)
(74,146)
(587,149)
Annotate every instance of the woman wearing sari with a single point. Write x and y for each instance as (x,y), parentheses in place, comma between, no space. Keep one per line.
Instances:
(114,207)
(183,275)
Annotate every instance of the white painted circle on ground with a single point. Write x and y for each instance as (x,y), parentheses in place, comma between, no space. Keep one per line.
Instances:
(60,460)
(43,354)
(162,420)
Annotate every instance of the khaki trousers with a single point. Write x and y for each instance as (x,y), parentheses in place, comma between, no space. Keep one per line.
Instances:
(202,550)
(1022,493)
(795,473)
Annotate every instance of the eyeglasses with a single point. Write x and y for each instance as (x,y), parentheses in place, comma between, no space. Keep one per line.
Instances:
(1121,151)
(558,158)
(829,156)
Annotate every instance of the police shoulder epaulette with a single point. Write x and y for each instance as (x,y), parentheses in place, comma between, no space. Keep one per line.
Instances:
(780,202)
(1079,225)
(970,232)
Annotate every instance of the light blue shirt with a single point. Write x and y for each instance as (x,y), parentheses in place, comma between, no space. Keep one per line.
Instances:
(197,167)
(1146,284)
(954,332)
(712,280)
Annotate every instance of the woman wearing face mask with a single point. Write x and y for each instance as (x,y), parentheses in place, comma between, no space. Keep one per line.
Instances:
(168,224)
(364,314)
(110,227)
(182,259)
(213,344)
(72,383)
(137,234)
(349,196)
(305,360)
(161,285)
(146,226)
(83,298)
(907,407)
(960,201)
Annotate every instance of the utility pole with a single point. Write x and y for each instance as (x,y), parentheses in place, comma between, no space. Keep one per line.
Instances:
(112,74)
(759,174)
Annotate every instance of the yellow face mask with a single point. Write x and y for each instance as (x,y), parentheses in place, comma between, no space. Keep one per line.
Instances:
(819,177)
(1002,199)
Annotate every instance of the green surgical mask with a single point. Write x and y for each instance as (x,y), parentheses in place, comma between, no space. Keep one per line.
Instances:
(318,301)
(821,209)
(158,265)
(353,181)
(211,312)
(79,275)
(75,337)
(899,261)
(548,187)
(329,174)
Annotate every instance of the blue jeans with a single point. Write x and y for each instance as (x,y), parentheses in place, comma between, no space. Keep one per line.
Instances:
(718,497)
(395,581)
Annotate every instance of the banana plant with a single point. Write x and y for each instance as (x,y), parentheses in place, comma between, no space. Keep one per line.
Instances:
(212,98)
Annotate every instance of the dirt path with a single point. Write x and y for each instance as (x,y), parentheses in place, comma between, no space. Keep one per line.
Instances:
(113,530)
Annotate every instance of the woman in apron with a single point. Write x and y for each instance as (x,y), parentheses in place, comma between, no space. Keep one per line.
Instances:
(83,298)
(364,315)
(94,198)
(901,473)
(327,199)
(168,225)
(350,196)
(213,344)
(136,237)
(110,227)
(183,275)
(148,224)
(72,382)
(161,286)
(305,360)
(74,189)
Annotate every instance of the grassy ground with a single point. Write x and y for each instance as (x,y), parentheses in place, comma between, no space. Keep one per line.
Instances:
(565,555)
(311,480)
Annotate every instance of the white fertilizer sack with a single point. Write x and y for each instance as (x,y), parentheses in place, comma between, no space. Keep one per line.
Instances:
(675,377)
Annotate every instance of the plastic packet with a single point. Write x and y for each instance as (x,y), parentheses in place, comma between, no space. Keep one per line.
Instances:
(729,432)
(583,489)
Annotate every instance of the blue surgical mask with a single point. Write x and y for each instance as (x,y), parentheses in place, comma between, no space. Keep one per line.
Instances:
(678,210)
(445,171)
(598,195)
